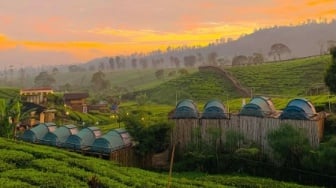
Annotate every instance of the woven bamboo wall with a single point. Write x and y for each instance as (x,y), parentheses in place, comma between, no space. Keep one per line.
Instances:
(253,128)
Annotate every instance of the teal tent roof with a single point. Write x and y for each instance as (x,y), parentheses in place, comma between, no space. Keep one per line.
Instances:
(36,133)
(214,109)
(84,138)
(259,107)
(59,136)
(185,109)
(298,108)
(111,141)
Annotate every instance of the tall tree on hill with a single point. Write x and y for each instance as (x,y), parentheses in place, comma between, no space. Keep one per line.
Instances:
(189,61)
(278,49)
(212,58)
(200,58)
(98,81)
(257,58)
(44,80)
(239,60)
(330,77)
(134,63)
(111,62)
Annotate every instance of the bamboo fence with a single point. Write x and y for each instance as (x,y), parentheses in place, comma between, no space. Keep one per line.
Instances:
(253,129)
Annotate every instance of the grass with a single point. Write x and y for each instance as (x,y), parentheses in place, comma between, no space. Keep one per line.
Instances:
(286,78)
(27,165)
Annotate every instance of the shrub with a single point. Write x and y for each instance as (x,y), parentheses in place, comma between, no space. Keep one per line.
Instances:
(289,145)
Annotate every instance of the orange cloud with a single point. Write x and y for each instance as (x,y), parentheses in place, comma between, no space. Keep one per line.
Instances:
(6,43)
(319,2)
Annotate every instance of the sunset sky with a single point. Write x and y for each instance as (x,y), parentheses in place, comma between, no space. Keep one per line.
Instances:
(39,32)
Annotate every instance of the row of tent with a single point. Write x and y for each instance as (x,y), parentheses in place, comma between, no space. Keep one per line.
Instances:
(260,106)
(68,136)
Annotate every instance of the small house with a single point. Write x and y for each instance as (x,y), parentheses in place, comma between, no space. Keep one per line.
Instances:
(300,109)
(36,133)
(112,141)
(83,139)
(36,95)
(185,109)
(214,109)
(259,107)
(59,136)
(77,101)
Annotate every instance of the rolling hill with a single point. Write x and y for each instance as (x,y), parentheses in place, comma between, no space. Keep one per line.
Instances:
(285,79)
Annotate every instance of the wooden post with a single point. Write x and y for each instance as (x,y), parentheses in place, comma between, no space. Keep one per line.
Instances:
(171,166)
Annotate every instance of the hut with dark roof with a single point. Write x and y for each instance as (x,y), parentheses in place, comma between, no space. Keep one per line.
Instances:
(258,107)
(214,109)
(299,109)
(36,133)
(59,136)
(185,109)
(83,139)
(112,141)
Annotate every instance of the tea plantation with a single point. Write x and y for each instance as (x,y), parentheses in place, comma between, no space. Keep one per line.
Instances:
(27,165)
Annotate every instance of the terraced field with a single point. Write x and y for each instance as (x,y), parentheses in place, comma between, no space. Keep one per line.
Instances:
(286,78)
(199,86)
(27,165)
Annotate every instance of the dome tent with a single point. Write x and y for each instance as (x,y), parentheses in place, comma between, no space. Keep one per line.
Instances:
(300,109)
(84,138)
(36,133)
(185,109)
(111,141)
(214,109)
(59,136)
(259,106)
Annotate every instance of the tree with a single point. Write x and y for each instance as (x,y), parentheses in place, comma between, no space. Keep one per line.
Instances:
(111,62)
(151,138)
(212,58)
(10,112)
(200,58)
(257,58)
(278,49)
(144,63)
(134,63)
(159,74)
(98,81)
(189,61)
(44,79)
(330,77)
(75,68)
(239,60)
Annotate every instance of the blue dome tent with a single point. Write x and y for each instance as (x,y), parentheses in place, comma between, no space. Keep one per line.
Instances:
(258,107)
(59,136)
(300,109)
(83,139)
(214,109)
(111,141)
(36,133)
(185,109)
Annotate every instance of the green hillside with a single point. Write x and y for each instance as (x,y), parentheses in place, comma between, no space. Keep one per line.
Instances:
(6,93)
(286,79)
(27,165)
(299,77)
(199,86)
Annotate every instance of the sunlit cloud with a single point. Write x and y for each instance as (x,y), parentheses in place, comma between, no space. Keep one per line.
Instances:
(88,30)
(6,43)
(319,2)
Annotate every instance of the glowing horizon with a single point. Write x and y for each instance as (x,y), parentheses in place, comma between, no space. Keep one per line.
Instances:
(81,31)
